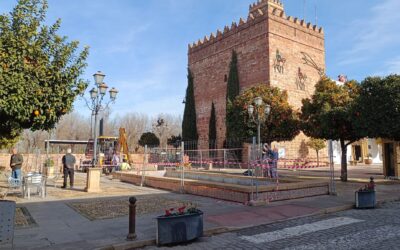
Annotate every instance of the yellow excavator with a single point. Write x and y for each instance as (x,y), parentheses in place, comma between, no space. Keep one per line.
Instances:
(107,146)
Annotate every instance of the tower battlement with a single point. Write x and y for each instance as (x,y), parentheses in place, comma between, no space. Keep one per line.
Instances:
(258,11)
(262,4)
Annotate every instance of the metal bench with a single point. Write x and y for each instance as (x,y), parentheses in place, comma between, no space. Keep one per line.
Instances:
(7,218)
(13,184)
(34,180)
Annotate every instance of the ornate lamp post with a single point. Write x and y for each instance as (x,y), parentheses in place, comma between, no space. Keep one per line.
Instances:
(259,113)
(97,94)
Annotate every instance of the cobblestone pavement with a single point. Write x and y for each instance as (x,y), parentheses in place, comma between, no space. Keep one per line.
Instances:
(353,229)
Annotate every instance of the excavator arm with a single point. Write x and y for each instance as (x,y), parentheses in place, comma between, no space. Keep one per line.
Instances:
(123,144)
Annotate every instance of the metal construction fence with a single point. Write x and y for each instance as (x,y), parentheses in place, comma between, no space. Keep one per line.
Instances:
(250,161)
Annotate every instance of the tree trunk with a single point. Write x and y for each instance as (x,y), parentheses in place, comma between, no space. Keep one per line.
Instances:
(317,157)
(343,176)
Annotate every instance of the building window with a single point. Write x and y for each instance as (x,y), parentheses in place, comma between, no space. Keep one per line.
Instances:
(225,78)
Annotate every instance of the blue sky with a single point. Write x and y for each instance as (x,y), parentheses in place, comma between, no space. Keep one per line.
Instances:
(141,45)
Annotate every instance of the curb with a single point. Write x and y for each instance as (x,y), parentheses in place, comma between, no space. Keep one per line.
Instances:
(219,230)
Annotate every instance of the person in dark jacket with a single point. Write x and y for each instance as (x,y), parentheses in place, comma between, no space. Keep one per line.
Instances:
(68,161)
(16,164)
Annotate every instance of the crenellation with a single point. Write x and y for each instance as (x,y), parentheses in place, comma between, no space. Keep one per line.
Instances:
(261,9)
(314,27)
(226,30)
(212,36)
(233,26)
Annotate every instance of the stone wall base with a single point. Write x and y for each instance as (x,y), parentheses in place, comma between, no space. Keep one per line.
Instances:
(229,192)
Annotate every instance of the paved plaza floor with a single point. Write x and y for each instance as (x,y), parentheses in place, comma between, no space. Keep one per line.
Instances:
(74,219)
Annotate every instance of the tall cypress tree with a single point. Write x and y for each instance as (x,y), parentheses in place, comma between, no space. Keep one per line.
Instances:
(233,89)
(189,128)
(212,128)
(233,86)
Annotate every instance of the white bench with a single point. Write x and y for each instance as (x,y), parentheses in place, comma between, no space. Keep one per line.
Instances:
(34,180)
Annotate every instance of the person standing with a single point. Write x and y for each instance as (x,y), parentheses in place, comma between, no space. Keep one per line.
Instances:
(115,162)
(266,164)
(275,158)
(16,164)
(68,161)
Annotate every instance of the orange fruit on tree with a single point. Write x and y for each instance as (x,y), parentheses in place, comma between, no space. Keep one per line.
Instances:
(36,112)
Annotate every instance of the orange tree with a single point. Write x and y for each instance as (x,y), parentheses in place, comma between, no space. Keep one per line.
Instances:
(317,145)
(282,124)
(378,106)
(39,71)
(330,114)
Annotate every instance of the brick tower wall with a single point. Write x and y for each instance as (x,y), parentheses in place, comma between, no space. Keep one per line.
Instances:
(295,39)
(209,62)
(256,41)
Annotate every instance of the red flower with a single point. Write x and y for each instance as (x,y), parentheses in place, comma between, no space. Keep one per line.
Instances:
(167,213)
(181,209)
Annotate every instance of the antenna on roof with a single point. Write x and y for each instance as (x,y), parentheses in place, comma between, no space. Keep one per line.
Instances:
(316,17)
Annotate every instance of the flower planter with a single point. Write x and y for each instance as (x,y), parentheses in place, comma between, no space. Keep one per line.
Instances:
(49,171)
(365,199)
(179,229)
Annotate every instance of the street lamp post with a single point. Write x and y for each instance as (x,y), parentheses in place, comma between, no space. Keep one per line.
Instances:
(97,94)
(259,113)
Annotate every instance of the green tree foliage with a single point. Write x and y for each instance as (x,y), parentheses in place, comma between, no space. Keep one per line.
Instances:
(39,71)
(232,91)
(174,141)
(149,139)
(329,114)
(378,107)
(212,128)
(281,125)
(233,86)
(317,145)
(189,127)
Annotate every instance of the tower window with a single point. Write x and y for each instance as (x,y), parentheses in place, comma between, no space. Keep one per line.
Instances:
(225,78)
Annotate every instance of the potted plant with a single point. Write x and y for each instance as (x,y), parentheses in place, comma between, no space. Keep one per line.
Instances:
(365,196)
(368,160)
(49,167)
(179,225)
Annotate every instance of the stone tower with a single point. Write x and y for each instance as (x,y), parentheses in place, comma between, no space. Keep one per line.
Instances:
(272,49)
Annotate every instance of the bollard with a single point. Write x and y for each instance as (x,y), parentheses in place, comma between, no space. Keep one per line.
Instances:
(132,219)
